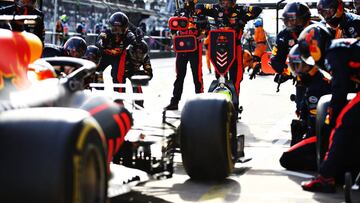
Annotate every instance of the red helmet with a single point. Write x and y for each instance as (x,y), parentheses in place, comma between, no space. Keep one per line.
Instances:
(313,41)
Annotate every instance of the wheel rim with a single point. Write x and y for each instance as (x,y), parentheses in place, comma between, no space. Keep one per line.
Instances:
(93,179)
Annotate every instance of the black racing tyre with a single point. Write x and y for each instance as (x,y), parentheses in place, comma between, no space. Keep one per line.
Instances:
(52,155)
(322,131)
(207,137)
(347,187)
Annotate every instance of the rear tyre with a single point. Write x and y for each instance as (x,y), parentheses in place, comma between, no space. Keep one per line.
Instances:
(322,131)
(51,155)
(208,137)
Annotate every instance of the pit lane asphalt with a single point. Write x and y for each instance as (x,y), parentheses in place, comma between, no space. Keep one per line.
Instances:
(265,123)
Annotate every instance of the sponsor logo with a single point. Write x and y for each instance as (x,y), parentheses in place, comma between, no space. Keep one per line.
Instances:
(313,99)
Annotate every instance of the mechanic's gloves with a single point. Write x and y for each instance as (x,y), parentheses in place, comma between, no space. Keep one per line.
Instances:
(149,73)
(281,78)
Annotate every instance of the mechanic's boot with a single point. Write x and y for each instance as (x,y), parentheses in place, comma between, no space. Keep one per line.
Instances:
(172,106)
(320,184)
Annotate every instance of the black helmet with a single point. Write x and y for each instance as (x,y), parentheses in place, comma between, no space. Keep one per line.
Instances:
(296,16)
(119,23)
(80,28)
(357,6)
(313,42)
(75,47)
(331,11)
(297,66)
(139,51)
(190,4)
(92,54)
(223,4)
(26,3)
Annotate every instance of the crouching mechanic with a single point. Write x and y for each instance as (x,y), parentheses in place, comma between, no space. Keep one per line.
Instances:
(73,47)
(340,58)
(113,43)
(93,54)
(302,153)
(296,17)
(137,56)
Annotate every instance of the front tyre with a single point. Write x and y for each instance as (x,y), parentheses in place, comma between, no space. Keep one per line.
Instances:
(207,133)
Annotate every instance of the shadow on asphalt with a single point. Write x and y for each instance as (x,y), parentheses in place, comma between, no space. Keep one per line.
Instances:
(136,197)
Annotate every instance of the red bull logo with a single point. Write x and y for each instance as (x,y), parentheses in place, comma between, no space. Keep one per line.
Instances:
(221,39)
(17,51)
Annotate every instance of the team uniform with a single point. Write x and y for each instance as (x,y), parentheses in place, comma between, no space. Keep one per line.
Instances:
(341,59)
(193,57)
(233,18)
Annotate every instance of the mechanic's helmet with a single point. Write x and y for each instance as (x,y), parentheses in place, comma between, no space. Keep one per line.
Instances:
(225,91)
(313,41)
(93,54)
(26,2)
(226,4)
(357,6)
(118,23)
(297,66)
(139,51)
(190,4)
(296,16)
(331,11)
(79,28)
(64,18)
(75,47)
(258,23)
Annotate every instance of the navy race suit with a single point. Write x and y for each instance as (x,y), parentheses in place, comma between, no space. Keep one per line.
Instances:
(350,25)
(302,154)
(344,80)
(195,58)
(343,60)
(285,40)
(233,18)
(316,85)
(113,49)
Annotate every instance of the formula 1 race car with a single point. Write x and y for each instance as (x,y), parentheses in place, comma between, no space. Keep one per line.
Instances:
(56,142)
